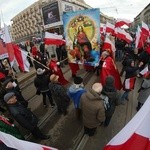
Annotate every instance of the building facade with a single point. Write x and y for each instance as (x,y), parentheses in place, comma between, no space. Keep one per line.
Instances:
(45,15)
(144,15)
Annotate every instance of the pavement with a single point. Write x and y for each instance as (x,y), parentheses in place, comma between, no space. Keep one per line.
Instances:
(123,114)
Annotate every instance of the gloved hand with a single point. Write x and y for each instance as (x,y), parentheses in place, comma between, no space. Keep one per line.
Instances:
(58,63)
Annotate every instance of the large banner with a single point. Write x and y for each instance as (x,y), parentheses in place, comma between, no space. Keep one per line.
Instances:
(82,34)
(51,14)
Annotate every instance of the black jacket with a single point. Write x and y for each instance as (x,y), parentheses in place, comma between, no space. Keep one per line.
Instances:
(23,116)
(41,82)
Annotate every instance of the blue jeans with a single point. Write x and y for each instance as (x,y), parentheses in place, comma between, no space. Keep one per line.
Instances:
(119,55)
(125,95)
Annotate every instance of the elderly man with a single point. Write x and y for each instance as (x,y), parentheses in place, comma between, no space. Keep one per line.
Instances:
(23,116)
(93,110)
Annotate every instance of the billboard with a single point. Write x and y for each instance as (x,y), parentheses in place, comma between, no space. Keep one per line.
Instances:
(51,14)
(82,34)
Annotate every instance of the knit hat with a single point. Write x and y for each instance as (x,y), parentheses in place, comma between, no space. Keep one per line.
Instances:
(54,78)
(78,80)
(8,96)
(97,87)
(40,71)
(109,81)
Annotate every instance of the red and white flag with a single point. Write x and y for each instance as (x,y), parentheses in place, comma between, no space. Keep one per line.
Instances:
(144,71)
(53,39)
(110,28)
(3,51)
(145,30)
(129,83)
(9,45)
(138,41)
(21,57)
(108,45)
(136,134)
(121,22)
(122,34)
(13,142)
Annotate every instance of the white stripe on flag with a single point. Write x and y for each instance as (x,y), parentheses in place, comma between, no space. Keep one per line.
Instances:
(15,143)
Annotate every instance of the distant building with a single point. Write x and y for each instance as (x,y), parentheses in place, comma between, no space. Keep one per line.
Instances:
(45,15)
(144,15)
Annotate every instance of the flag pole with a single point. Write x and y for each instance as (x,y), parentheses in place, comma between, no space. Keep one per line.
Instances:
(39,62)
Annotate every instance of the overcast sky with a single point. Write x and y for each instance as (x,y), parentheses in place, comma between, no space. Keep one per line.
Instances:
(127,9)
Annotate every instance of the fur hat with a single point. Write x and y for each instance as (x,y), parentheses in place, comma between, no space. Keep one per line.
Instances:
(54,78)
(40,71)
(97,87)
(78,80)
(8,96)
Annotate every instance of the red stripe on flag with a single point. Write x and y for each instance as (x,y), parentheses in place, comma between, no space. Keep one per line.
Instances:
(129,83)
(135,142)
(49,41)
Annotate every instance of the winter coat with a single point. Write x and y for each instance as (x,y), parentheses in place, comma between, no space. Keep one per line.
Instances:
(41,83)
(130,71)
(75,94)
(93,110)
(145,91)
(59,94)
(23,116)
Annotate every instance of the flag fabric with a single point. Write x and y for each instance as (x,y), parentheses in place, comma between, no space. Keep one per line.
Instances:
(13,142)
(121,22)
(109,68)
(3,51)
(129,83)
(9,45)
(21,57)
(145,29)
(140,39)
(122,34)
(53,39)
(144,71)
(110,28)
(108,45)
(136,134)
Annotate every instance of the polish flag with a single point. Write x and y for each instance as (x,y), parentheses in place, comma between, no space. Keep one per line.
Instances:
(138,42)
(53,39)
(122,34)
(144,71)
(129,83)
(136,134)
(108,45)
(13,142)
(121,22)
(110,28)
(145,29)
(3,51)
(21,57)
(9,45)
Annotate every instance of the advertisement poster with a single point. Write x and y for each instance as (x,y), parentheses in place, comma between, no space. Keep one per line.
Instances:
(82,35)
(51,13)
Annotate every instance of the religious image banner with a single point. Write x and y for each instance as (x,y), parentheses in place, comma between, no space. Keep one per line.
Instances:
(82,35)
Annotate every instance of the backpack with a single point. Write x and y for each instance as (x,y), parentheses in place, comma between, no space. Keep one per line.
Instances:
(106,102)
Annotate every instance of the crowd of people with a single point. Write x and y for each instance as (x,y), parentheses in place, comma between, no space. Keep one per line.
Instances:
(95,106)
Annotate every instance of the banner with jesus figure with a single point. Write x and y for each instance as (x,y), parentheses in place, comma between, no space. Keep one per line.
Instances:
(82,35)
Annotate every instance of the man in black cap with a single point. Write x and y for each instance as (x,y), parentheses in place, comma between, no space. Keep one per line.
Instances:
(23,116)
(75,91)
